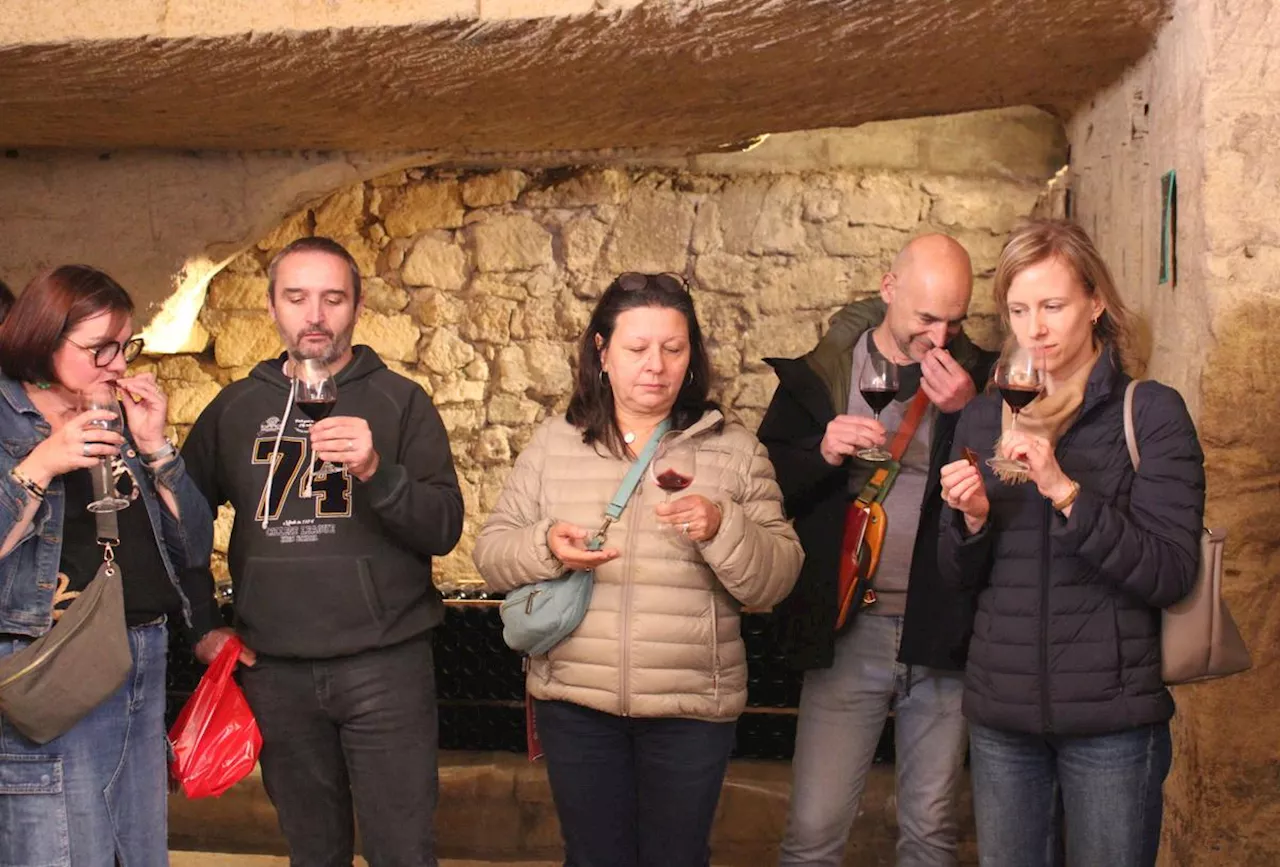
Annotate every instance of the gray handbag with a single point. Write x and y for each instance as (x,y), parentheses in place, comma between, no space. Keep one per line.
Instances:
(51,684)
(1199,640)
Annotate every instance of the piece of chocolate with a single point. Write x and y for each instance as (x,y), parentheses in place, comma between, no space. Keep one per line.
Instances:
(971,456)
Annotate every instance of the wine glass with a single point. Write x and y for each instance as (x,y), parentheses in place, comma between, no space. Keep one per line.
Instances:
(1020,381)
(315,392)
(673,463)
(878,383)
(103,397)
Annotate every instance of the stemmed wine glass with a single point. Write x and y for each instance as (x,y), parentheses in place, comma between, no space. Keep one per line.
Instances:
(102,397)
(878,383)
(315,392)
(673,463)
(1020,380)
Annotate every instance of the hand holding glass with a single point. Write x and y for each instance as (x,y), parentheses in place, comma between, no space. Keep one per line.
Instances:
(878,383)
(103,397)
(673,463)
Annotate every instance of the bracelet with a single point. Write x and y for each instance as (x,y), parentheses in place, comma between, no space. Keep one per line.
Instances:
(32,488)
(168,450)
(1070,498)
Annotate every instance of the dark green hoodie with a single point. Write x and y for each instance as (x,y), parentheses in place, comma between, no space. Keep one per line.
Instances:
(348,569)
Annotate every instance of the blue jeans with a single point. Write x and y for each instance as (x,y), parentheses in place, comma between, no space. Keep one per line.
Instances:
(1108,786)
(98,792)
(633,792)
(351,738)
(842,714)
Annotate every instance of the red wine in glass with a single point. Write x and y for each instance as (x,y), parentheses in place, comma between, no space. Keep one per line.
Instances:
(878,398)
(1017,397)
(671,481)
(317,410)
(1020,379)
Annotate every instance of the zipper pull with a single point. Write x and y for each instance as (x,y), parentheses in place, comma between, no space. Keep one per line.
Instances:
(528,602)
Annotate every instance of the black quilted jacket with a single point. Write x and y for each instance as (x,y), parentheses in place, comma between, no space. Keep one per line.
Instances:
(1067,634)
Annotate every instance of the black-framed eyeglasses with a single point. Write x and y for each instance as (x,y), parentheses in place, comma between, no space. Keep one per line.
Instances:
(633,281)
(107,352)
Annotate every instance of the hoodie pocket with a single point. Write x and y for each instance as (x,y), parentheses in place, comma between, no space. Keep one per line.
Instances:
(307,606)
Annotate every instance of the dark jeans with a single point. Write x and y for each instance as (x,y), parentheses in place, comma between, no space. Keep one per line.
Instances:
(633,792)
(1105,789)
(359,728)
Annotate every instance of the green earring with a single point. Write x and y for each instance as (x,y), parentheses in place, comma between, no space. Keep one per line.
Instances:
(43,385)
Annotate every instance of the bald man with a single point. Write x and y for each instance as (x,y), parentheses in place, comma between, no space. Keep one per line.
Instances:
(903,651)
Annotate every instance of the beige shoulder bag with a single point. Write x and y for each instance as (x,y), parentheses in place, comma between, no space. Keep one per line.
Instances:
(1198,638)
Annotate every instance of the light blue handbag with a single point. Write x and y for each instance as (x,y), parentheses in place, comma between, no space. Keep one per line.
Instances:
(537,617)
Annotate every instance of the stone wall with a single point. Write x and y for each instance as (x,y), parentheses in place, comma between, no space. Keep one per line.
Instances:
(1206,102)
(478,284)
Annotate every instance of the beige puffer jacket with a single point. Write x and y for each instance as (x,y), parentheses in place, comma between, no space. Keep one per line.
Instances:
(661,637)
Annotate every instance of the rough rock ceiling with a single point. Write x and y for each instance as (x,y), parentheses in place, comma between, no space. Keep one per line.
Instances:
(687,76)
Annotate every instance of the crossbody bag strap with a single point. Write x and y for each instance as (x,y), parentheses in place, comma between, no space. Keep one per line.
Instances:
(1130,437)
(910,421)
(613,511)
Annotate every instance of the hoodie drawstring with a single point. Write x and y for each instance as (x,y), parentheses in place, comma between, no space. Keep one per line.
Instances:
(275,459)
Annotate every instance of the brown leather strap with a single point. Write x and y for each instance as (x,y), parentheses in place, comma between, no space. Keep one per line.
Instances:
(910,421)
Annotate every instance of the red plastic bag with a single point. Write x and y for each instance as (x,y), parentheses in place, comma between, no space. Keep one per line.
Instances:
(215,739)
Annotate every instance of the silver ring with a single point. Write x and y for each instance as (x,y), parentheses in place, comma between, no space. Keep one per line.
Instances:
(84,449)
(686,528)
(351,445)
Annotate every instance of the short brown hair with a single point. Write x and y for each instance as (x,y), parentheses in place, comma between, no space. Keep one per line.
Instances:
(1034,241)
(53,304)
(314,244)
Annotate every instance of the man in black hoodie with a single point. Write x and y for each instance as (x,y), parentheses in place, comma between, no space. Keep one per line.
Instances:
(906,649)
(335,527)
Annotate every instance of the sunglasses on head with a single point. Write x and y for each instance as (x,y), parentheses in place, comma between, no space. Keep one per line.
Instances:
(633,281)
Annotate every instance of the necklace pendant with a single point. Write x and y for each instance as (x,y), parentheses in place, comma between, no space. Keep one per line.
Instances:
(629,437)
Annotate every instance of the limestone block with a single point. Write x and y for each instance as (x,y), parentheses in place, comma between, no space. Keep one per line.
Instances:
(233,291)
(777,227)
(222,524)
(245,339)
(740,205)
(290,229)
(810,284)
(182,368)
(342,213)
(726,361)
(511,409)
(754,390)
(975,204)
(586,188)
(447,352)
(983,300)
(430,308)
(725,273)
(706,228)
(500,285)
(383,297)
(583,238)
(489,320)
(651,234)
(187,401)
(435,260)
(492,446)
(246,263)
(478,370)
(821,205)
(457,389)
(878,243)
(509,9)
(548,366)
(391,336)
(364,251)
(406,211)
(513,372)
(881,200)
(538,320)
(493,188)
(785,336)
(515,243)
(462,421)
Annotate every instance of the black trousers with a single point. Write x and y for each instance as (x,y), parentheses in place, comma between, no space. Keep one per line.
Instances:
(633,792)
(354,730)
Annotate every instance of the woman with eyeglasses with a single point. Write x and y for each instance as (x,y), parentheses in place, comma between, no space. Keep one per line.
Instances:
(636,709)
(95,795)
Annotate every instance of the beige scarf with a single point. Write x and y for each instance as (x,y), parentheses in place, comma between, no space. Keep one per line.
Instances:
(1049,415)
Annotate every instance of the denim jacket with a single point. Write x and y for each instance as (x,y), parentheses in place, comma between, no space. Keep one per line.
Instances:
(29,572)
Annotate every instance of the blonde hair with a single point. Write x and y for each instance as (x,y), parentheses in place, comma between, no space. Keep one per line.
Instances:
(1035,240)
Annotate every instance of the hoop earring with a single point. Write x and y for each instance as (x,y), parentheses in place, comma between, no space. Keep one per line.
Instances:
(604,379)
(689,379)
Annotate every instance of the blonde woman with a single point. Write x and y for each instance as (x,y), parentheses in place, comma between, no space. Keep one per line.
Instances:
(1063,691)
